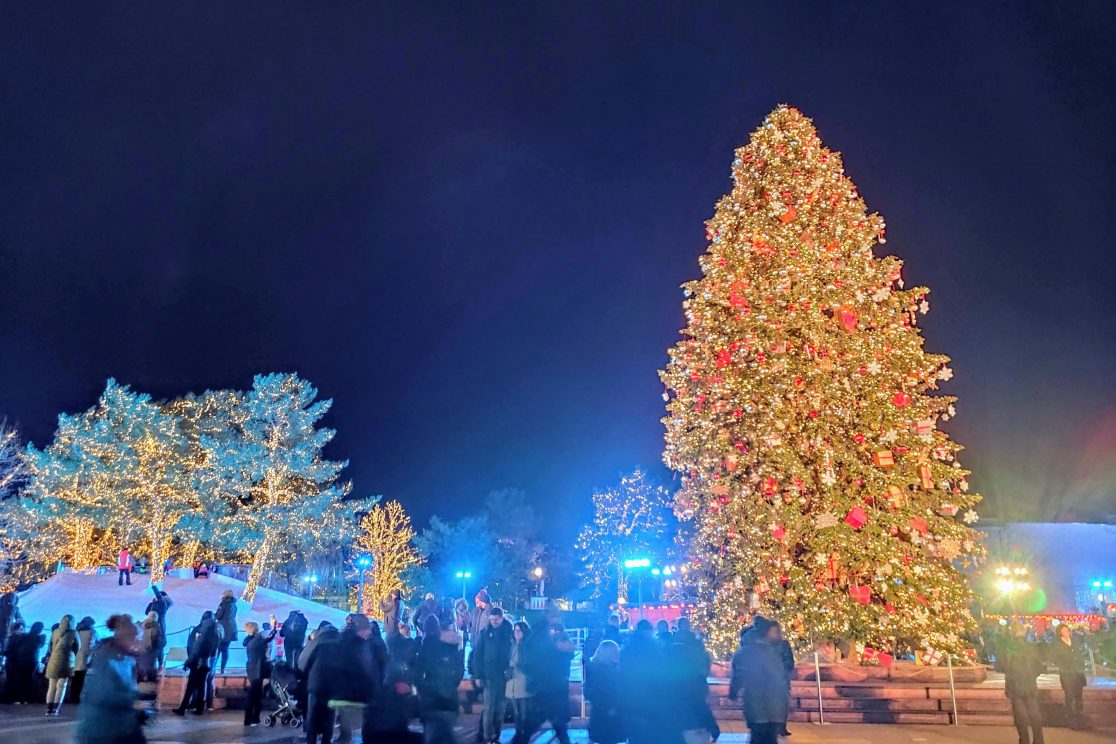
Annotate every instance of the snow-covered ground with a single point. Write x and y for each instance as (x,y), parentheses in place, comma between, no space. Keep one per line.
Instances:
(97,595)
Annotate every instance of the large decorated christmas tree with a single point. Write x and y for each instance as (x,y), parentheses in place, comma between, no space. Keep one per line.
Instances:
(803,419)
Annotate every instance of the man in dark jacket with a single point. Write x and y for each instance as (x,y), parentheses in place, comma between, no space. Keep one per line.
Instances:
(9,616)
(23,657)
(1066,652)
(317,677)
(488,666)
(159,606)
(759,674)
(201,649)
(346,674)
(546,663)
(293,634)
(1021,664)
(641,665)
(439,668)
(226,617)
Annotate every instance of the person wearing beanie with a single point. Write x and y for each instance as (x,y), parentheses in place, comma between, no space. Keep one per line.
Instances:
(478,619)
(760,677)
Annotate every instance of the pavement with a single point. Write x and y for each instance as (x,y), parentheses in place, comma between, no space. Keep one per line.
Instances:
(27,725)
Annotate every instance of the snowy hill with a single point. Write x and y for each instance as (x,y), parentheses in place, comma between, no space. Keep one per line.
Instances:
(97,595)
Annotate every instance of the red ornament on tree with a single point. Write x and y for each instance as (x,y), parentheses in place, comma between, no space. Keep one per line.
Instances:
(861,593)
(901,399)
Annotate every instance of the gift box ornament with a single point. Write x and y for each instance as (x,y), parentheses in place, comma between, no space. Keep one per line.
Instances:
(925,477)
(918,524)
(856,518)
(948,510)
(894,497)
(883,459)
(923,426)
(861,593)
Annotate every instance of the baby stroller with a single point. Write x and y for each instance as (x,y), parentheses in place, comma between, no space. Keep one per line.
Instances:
(283,681)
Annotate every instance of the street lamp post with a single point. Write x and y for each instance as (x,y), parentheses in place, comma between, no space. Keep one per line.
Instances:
(633,563)
(464,576)
(540,576)
(362,563)
(311,579)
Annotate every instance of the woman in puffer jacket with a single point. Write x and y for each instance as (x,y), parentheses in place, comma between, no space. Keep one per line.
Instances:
(60,663)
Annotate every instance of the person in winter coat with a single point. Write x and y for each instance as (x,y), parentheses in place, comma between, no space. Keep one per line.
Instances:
(461,615)
(60,664)
(663,634)
(605,693)
(226,618)
(428,608)
(641,663)
(698,657)
(319,716)
(159,605)
(488,666)
(87,640)
(23,657)
(439,669)
(293,634)
(546,662)
(1021,664)
(347,676)
(1066,652)
(786,654)
(107,711)
(201,657)
(9,618)
(759,675)
(392,708)
(124,564)
(256,669)
(152,643)
(391,611)
(478,618)
(516,688)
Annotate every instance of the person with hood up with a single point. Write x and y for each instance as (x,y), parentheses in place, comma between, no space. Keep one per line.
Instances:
(107,711)
(605,692)
(23,658)
(320,718)
(758,673)
(293,634)
(439,669)
(60,663)
(256,668)
(152,643)
(87,640)
(488,666)
(226,618)
(546,663)
(201,657)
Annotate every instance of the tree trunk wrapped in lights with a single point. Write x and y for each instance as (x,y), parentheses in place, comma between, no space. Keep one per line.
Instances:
(385,538)
(802,421)
(282,496)
(630,519)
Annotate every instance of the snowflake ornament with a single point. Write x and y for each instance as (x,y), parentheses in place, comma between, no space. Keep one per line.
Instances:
(873,368)
(945,374)
(924,307)
(829,478)
(970,517)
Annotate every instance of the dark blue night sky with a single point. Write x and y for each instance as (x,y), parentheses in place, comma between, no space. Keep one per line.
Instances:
(467,224)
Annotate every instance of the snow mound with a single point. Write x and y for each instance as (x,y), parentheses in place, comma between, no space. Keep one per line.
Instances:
(95,593)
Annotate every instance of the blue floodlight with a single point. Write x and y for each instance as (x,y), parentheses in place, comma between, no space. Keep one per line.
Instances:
(637,563)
